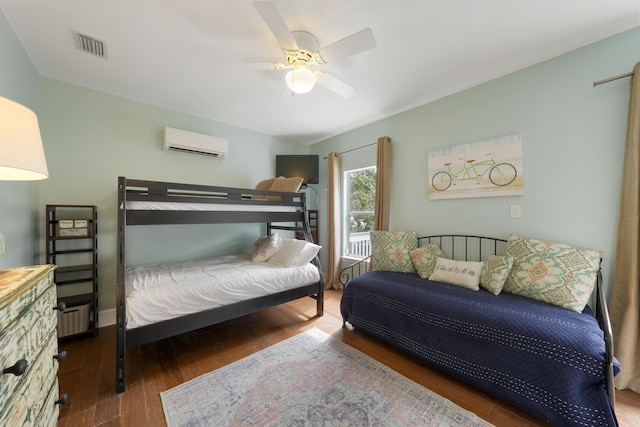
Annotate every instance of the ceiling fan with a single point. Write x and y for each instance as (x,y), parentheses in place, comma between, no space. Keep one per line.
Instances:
(302,53)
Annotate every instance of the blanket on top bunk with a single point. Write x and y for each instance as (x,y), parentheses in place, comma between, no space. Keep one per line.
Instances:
(165,291)
(544,358)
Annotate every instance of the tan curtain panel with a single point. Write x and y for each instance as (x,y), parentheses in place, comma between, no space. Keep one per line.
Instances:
(624,307)
(334,222)
(383,185)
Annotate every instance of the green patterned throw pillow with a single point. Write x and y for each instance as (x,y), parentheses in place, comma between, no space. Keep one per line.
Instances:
(424,258)
(556,273)
(494,273)
(390,250)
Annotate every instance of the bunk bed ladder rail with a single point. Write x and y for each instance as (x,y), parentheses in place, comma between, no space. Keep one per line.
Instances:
(121,347)
(304,227)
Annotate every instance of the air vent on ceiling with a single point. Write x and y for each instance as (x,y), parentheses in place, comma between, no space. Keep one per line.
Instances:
(90,44)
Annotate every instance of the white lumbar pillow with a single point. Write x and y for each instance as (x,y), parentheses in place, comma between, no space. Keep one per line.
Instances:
(461,273)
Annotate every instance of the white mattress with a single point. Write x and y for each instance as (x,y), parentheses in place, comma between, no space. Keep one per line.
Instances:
(165,291)
(174,206)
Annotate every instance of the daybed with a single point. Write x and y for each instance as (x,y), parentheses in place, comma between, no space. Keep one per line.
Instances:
(554,362)
(186,304)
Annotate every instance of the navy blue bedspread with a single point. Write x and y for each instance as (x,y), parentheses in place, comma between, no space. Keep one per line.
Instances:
(547,360)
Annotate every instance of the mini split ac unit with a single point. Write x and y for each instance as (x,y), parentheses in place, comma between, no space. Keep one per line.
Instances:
(194,143)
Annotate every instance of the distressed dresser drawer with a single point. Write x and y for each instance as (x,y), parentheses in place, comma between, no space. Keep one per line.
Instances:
(28,321)
(24,338)
(19,288)
(31,393)
(48,418)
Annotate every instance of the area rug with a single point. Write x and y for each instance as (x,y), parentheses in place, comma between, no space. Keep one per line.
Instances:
(310,379)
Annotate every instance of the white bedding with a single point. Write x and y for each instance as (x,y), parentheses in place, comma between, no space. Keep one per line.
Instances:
(165,291)
(176,206)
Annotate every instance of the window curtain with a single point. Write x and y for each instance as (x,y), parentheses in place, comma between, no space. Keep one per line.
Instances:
(334,223)
(383,185)
(624,306)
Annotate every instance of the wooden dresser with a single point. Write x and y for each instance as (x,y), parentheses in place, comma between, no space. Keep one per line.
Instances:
(28,347)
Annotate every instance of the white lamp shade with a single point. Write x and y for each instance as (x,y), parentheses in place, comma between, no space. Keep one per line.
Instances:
(301,79)
(21,152)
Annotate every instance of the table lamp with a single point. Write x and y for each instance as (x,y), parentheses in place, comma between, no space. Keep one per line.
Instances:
(21,151)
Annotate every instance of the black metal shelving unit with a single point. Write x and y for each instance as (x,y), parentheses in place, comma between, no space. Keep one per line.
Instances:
(72,245)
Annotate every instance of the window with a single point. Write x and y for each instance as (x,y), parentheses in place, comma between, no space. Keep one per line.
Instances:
(360,195)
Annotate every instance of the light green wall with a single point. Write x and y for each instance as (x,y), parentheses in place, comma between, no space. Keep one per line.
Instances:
(20,82)
(572,136)
(572,140)
(92,138)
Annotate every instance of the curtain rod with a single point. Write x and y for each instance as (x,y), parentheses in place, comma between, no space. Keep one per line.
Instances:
(353,149)
(610,79)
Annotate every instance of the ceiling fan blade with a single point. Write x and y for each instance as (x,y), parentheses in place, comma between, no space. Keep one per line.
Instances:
(336,85)
(276,24)
(355,43)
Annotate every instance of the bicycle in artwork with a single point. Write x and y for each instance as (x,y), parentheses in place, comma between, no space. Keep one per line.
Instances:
(499,174)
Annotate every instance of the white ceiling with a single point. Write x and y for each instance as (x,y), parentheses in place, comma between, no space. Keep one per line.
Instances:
(196,56)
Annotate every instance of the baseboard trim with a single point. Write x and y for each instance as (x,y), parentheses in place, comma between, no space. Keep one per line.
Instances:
(106,317)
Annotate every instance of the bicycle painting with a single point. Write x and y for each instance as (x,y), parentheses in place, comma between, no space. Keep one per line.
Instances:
(478,169)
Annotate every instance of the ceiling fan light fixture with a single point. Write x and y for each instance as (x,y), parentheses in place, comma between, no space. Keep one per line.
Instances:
(300,79)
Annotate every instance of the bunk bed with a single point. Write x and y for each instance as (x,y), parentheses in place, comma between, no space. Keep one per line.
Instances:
(143,202)
(553,362)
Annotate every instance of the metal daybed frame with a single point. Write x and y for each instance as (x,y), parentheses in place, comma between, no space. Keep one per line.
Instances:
(233,206)
(474,248)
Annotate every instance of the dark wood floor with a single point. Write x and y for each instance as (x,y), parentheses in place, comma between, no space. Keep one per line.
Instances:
(88,373)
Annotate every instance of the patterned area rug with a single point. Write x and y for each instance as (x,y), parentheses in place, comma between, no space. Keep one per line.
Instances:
(311,379)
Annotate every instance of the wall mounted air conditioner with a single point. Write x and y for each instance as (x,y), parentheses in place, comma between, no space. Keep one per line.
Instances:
(194,143)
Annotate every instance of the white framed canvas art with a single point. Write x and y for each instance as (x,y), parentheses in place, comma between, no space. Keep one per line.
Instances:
(486,168)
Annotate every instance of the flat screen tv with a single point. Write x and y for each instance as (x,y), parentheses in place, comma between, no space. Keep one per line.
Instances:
(305,166)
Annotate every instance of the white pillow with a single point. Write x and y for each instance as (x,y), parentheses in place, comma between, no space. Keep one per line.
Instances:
(264,248)
(294,252)
(461,273)
(289,251)
(307,253)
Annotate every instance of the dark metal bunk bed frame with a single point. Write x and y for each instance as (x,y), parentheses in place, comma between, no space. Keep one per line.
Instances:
(472,248)
(152,191)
